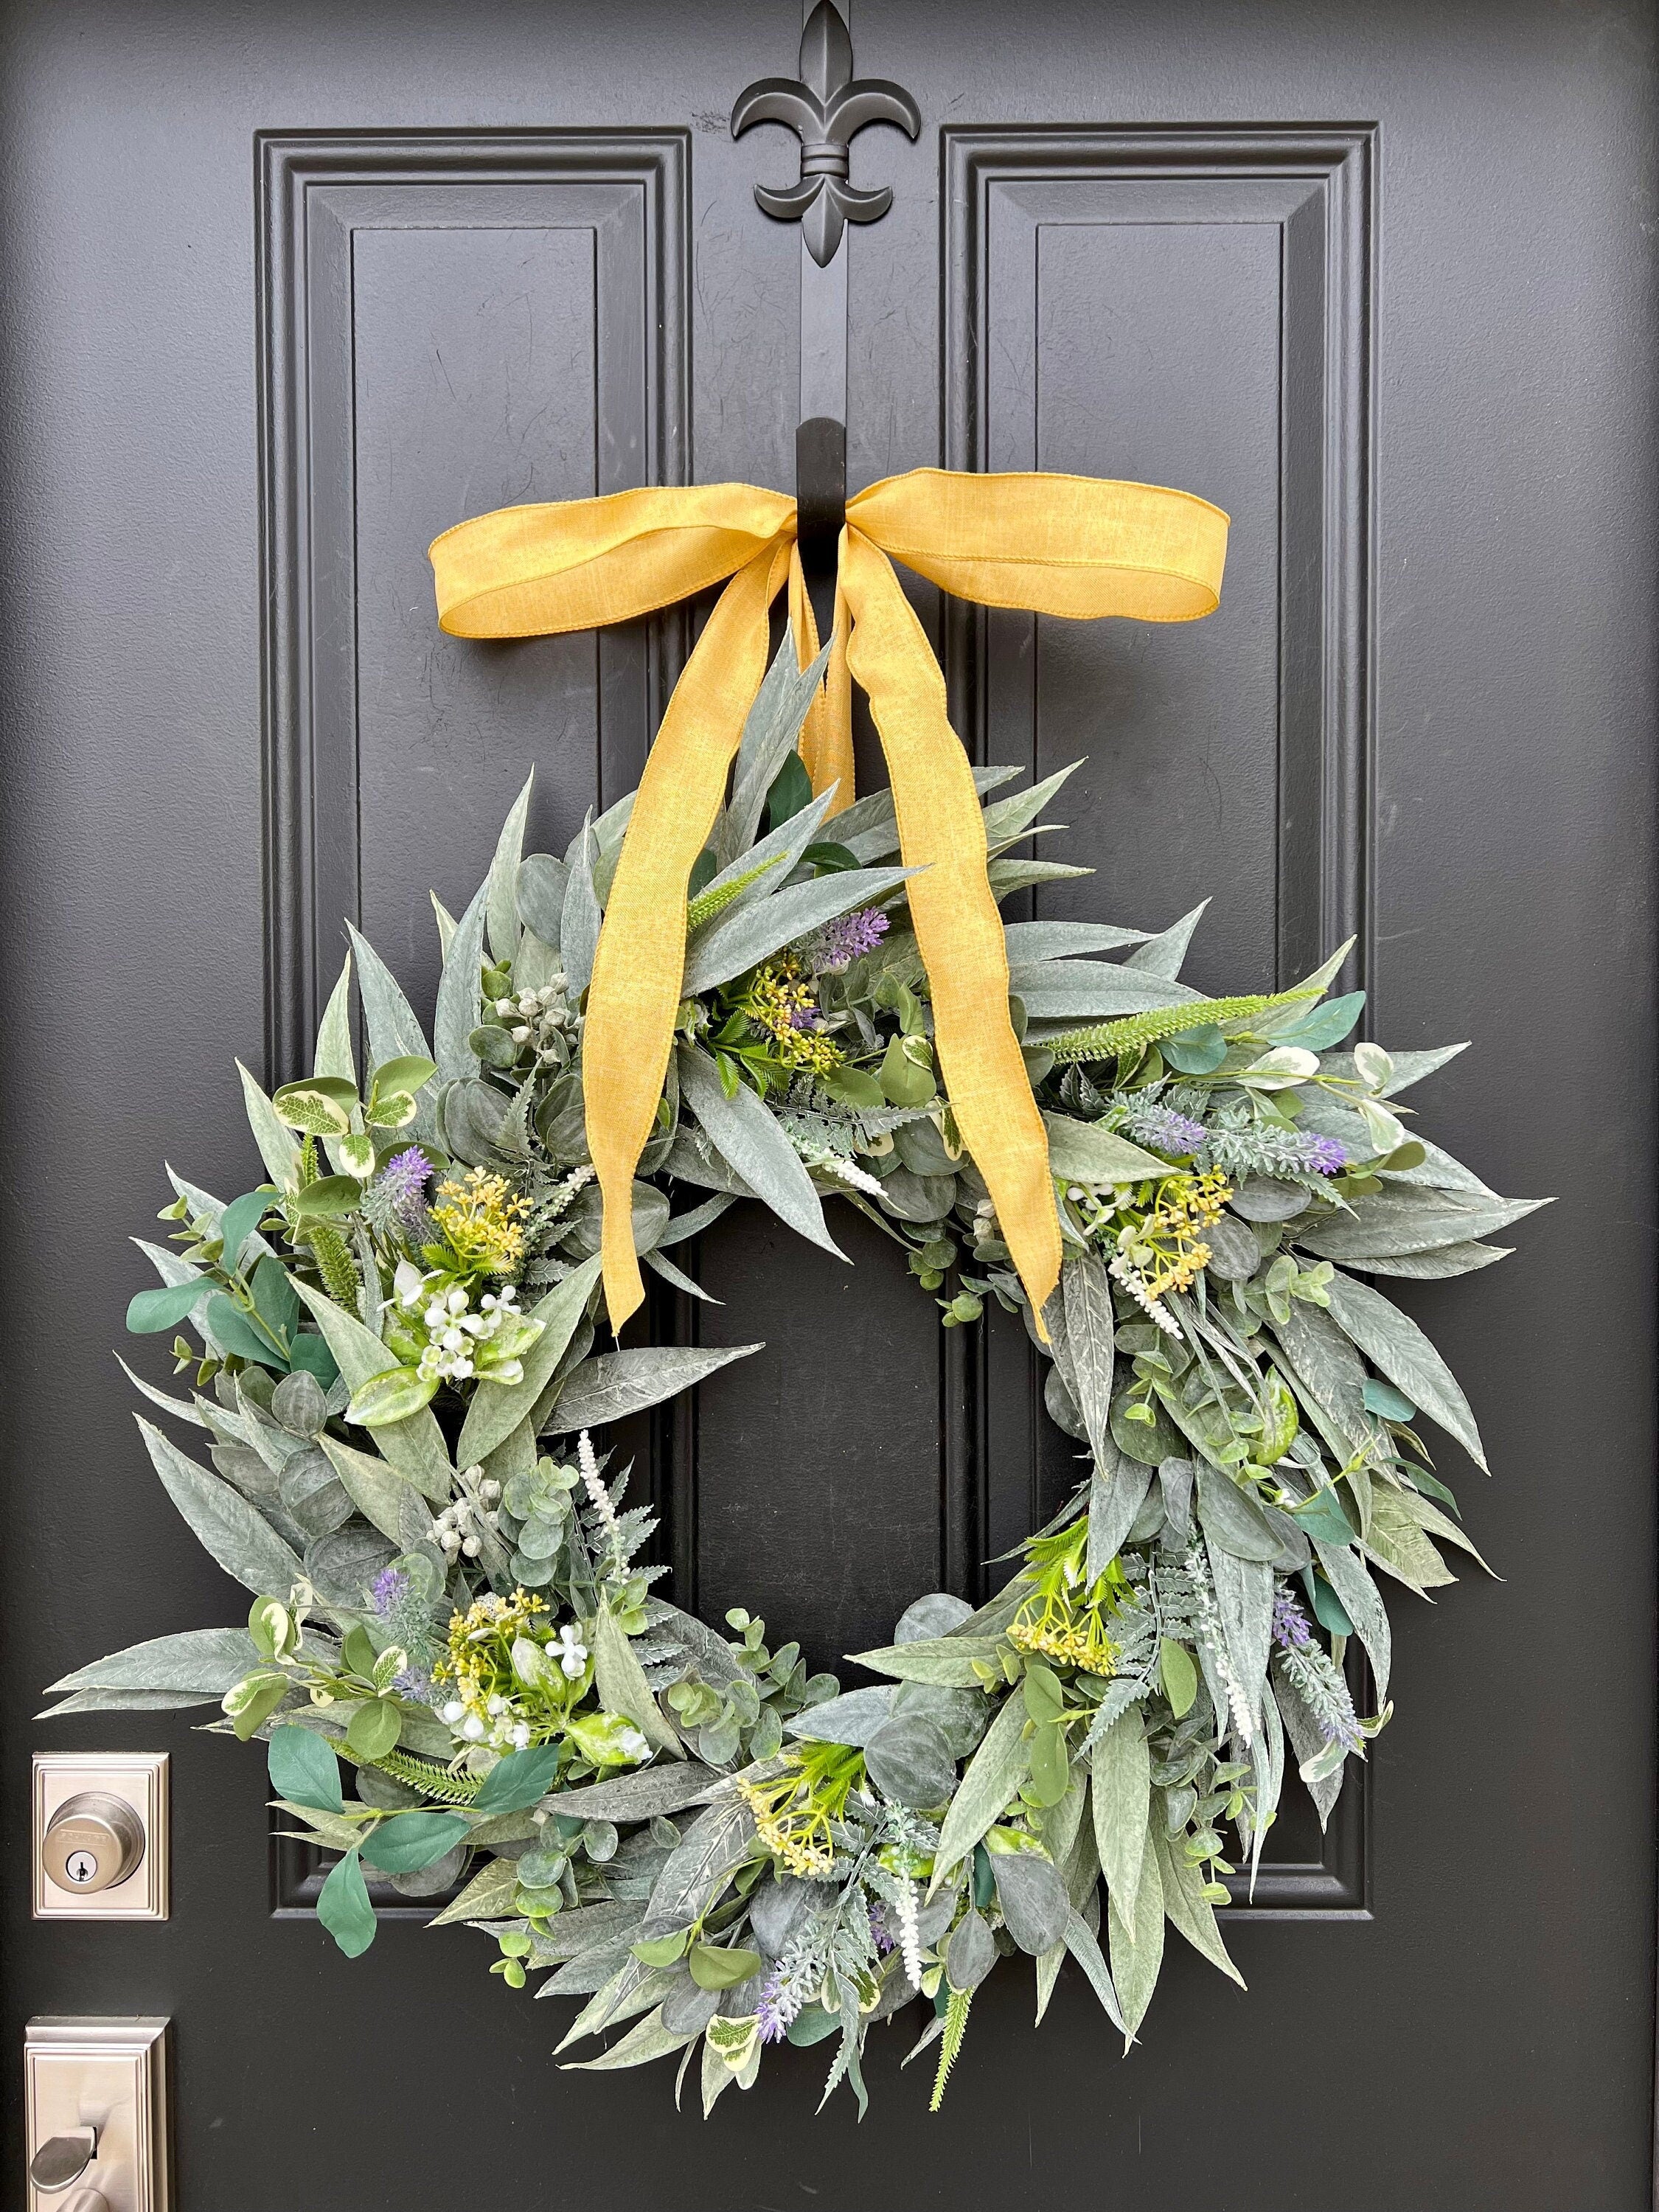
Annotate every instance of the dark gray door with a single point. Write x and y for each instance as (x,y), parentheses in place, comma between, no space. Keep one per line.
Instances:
(289,289)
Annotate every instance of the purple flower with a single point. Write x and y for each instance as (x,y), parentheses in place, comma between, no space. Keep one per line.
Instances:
(397,1197)
(880,1934)
(388,1589)
(836,946)
(1323,1155)
(1291,1630)
(1166,1131)
(774,2007)
(414,1682)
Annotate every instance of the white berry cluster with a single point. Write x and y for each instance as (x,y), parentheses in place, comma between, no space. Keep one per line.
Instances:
(540,1022)
(459,1529)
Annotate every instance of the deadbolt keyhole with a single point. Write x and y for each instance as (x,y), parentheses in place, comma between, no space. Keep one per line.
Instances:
(92,1842)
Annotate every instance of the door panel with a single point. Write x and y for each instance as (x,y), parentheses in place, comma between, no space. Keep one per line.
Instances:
(290,289)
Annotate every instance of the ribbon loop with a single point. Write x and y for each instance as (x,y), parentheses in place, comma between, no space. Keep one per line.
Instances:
(1066,545)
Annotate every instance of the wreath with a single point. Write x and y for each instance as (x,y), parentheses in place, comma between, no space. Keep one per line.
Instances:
(392,1348)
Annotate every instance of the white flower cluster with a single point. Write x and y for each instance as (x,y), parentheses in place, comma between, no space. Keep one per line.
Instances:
(459,1529)
(1124,1272)
(541,1020)
(457,1330)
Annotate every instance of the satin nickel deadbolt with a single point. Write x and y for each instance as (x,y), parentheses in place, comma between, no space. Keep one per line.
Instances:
(100,1835)
(96,2102)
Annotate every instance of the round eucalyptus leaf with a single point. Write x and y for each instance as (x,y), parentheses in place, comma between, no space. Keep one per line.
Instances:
(918,1198)
(687,2010)
(921,1149)
(1033,1898)
(561,1122)
(1234,1254)
(341,1565)
(775,1910)
(1264,1197)
(474,1116)
(433,1881)
(960,1716)
(385,1793)
(936,1615)
(972,1952)
(311,1494)
(587,1215)
(600,1840)
(298,1403)
(909,1761)
(492,1045)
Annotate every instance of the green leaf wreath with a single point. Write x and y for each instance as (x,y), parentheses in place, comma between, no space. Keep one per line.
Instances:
(392,1348)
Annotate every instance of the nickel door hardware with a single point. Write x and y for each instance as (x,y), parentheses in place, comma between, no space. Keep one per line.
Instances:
(100,1836)
(95,2101)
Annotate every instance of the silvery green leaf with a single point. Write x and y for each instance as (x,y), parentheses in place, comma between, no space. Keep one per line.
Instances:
(1438,1170)
(1398,1349)
(869,827)
(750,1138)
(203,1661)
(1117,1491)
(343,1563)
(1311,987)
(579,920)
(475,1116)
(1245,1599)
(948,1661)
(1086,1296)
(1234,1254)
(1176,1477)
(1310,1743)
(502,906)
(710,1852)
(1402,1218)
(278,1147)
(770,733)
(446,922)
(311,1494)
(962,1716)
(1082,1152)
(1029,942)
(647,2040)
(1120,1796)
(693,1159)
(741,937)
(1437,1267)
(1137,1944)
(683,1225)
(776,1910)
(853,1717)
(617,1383)
(639,1797)
(702,1644)
(1090,990)
(935,1614)
(415,1445)
(1008,819)
(1006,876)
(176,1406)
(1163,954)
(620,1682)
(1362,1602)
(128,1701)
(487,1896)
(497,1408)
(1409,1068)
(1265,1198)
(1185,1904)
(778,854)
(1323,1361)
(458,995)
(1080,1941)
(1035,1906)
(540,894)
(381,1494)
(971,1953)
(433,1881)
(1233,1519)
(394,1032)
(334,1053)
(909,1761)
(993,1775)
(660,1265)
(237,1538)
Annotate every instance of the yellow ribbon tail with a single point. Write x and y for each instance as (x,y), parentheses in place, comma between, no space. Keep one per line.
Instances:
(640,962)
(958,929)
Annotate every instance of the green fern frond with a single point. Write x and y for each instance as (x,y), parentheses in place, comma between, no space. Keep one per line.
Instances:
(707,904)
(423,1774)
(955,2027)
(1129,1037)
(334,1264)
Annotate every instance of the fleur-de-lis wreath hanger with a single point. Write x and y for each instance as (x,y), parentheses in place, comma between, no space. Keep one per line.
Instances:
(826,106)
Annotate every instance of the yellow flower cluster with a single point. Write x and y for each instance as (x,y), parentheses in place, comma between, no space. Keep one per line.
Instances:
(1167,1247)
(481,1222)
(481,1642)
(1050,1628)
(778,998)
(793,1811)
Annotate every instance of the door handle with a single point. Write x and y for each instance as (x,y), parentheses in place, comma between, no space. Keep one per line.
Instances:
(63,2161)
(97,2115)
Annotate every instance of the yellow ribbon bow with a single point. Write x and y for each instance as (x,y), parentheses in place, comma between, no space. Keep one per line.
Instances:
(1054,544)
